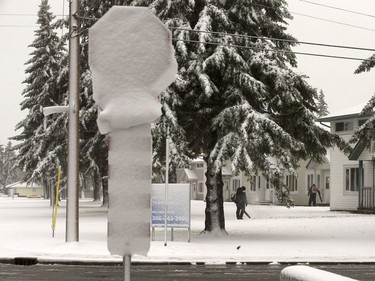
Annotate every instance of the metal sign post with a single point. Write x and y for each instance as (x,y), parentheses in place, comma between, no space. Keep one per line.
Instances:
(166,187)
(127,267)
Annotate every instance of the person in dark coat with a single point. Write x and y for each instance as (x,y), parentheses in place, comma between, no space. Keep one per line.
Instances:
(241,203)
(313,190)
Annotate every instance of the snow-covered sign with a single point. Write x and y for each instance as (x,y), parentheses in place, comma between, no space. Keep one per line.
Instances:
(132,60)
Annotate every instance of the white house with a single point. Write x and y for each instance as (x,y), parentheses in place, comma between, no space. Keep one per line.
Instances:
(23,189)
(351,176)
(258,188)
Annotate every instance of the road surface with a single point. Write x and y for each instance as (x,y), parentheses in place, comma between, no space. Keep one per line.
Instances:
(253,272)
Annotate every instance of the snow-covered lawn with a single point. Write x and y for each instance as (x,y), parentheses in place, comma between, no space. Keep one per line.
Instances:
(274,234)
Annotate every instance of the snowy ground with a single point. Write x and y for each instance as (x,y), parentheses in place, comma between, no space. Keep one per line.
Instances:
(274,234)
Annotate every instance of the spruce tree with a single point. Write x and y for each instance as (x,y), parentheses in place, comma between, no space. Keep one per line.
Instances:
(8,172)
(42,141)
(366,132)
(236,95)
(94,146)
(322,105)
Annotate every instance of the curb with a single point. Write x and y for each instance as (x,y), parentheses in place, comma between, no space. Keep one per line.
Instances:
(28,261)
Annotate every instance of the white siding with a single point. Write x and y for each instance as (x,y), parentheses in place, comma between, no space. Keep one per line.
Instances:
(341,200)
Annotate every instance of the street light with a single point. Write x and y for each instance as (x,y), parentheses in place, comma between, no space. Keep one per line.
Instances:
(72,200)
(72,217)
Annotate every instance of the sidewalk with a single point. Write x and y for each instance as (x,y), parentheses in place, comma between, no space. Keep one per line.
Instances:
(274,234)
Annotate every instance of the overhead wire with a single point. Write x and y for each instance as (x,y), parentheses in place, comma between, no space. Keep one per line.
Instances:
(336,22)
(276,51)
(337,8)
(261,37)
(276,39)
(266,6)
(12,25)
(317,18)
(1,14)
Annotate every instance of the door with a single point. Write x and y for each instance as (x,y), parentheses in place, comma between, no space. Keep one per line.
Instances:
(326,190)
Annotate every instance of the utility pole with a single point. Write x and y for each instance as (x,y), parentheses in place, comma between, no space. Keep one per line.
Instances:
(72,208)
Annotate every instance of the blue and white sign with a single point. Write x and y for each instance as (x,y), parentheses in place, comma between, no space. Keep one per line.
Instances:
(178,205)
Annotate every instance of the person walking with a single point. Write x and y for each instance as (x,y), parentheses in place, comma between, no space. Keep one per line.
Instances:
(313,190)
(241,203)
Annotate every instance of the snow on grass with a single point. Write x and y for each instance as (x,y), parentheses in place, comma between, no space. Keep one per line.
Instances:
(274,234)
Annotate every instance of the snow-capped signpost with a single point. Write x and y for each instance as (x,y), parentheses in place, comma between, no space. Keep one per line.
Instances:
(132,61)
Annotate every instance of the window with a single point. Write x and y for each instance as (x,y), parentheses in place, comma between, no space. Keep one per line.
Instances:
(194,186)
(318,181)
(235,184)
(200,165)
(268,184)
(310,181)
(343,126)
(291,183)
(226,184)
(352,179)
(252,183)
(327,182)
(200,187)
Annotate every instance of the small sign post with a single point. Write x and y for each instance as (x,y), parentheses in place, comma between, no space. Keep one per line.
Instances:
(132,60)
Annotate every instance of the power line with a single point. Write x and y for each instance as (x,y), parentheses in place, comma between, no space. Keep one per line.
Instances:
(332,21)
(318,18)
(18,15)
(336,8)
(277,39)
(11,26)
(27,15)
(276,51)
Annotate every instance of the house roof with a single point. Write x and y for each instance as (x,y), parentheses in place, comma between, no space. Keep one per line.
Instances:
(23,185)
(347,113)
(190,175)
(357,150)
(312,164)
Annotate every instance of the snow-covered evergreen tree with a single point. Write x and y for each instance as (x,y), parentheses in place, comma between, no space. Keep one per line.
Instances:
(8,172)
(41,149)
(366,132)
(94,146)
(236,95)
(322,105)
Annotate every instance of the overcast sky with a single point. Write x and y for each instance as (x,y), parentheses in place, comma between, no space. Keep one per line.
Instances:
(311,23)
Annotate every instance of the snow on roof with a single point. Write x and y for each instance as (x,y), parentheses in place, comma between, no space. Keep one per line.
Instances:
(344,113)
(190,175)
(197,160)
(23,185)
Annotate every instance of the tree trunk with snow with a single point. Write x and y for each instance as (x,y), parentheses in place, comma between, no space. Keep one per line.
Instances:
(96,184)
(105,191)
(214,201)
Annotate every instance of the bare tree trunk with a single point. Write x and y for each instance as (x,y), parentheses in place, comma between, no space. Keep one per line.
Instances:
(214,201)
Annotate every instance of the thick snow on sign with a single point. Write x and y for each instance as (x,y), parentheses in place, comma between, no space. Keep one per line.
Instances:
(132,60)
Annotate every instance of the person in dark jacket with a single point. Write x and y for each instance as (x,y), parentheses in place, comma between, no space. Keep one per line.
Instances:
(241,203)
(313,190)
